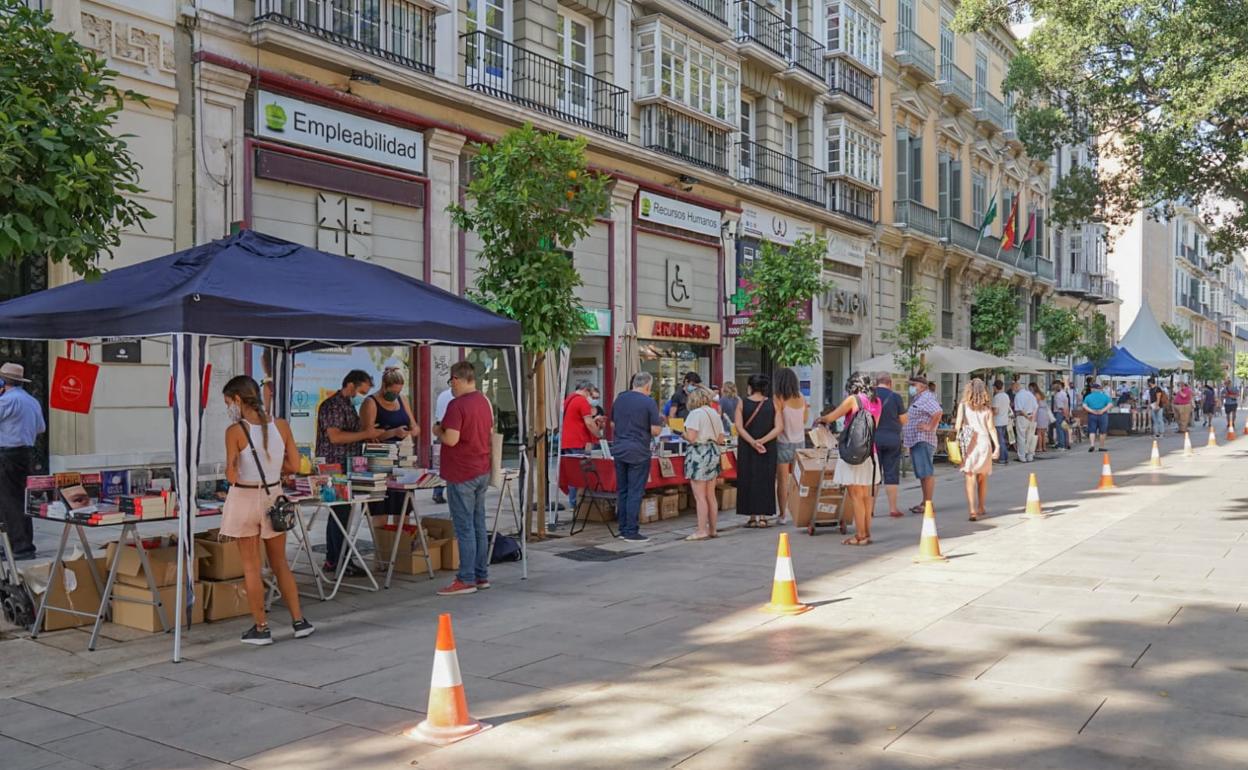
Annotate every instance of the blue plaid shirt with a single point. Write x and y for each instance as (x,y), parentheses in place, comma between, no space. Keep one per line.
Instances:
(922,409)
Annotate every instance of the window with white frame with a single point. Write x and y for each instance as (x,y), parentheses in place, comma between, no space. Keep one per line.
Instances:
(676,65)
(853,30)
(979,198)
(853,151)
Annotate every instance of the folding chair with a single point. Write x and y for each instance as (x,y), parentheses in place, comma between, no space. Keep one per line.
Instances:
(592,495)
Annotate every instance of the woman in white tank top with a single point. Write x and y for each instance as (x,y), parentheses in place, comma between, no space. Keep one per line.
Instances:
(794,415)
(253,488)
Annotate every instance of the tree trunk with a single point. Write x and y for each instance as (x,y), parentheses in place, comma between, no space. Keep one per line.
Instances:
(542,476)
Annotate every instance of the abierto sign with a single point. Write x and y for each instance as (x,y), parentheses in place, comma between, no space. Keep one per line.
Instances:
(673,212)
(311,125)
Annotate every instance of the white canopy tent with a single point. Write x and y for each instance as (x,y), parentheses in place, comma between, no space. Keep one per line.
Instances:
(940,358)
(1148,342)
(1032,365)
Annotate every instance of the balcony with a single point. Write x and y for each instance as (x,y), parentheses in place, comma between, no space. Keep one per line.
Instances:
(990,246)
(679,135)
(955,85)
(851,88)
(955,232)
(1009,131)
(1226,325)
(1191,254)
(989,110)
(764,34)
(1191,302)
(507,71)
(756,24)
(851,200)
(915,216)
(764,167)
(1044,268)
(915,54)
(395,30)
(806,54)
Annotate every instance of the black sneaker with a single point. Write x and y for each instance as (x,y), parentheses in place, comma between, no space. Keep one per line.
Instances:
(257,636)
(302,628)
(637,538)
(1091,449)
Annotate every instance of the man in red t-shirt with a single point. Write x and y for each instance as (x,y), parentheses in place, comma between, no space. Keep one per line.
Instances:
(580,427)
(465,433)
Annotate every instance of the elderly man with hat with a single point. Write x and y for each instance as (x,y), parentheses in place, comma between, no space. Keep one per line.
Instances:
(21,422)
(919,436)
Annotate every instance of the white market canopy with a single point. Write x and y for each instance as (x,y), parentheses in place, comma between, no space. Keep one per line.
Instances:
(1148,342)
(941,358)
(1032,365)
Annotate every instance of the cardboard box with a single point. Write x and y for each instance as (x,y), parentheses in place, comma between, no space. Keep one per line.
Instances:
(224,599)
(808,469)
(222,560)
(649,509)
(408,560)
(443,531)
(669,505)
(685,499)
(75,590)
(726,497)
(164,562)
(143,616)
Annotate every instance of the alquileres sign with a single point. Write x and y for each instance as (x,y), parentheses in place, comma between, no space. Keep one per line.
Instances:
(311,125)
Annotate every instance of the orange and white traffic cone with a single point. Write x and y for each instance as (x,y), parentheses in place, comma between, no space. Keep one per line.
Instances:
(929,543)
(1213,437)
(1033,509)
(1230,431)
(1187,445)
(448,720)
(784,585)
(1107,474)
(1154,461)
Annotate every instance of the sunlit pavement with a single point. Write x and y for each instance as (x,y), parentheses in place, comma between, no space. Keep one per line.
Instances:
(1107,635)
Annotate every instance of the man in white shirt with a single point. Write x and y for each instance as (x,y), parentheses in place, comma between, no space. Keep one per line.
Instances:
(1025,408)
(1061,413)
(1001,419)
(439,411)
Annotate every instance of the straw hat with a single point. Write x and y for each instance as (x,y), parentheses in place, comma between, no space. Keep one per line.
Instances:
(14,372)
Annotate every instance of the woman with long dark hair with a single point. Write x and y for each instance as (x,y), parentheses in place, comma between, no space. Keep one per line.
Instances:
(758,424)
(858,479)
(258,452)
(794,414)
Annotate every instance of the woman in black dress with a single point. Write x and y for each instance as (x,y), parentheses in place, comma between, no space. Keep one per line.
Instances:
(758,424)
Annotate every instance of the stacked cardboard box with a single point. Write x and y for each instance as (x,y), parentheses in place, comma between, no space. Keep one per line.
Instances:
(808,474)
(669,504)
(649,509)
(442,534)
(408,560)
(132,583)
(75,589)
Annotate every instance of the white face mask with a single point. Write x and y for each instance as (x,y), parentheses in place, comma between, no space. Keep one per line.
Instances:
(234,411)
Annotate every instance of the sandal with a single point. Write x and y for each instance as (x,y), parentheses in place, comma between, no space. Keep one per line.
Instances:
(917,509)
(714,534)
(762,524)
(697,538)
(751,524)
(896,514)
(855,540)
(973,517)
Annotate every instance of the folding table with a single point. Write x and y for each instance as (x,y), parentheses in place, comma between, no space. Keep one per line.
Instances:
(350,533)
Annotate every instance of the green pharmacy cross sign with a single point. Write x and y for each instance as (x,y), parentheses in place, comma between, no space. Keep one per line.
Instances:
(740,299)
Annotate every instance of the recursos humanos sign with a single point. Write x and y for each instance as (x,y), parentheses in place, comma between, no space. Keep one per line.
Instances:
(677,213)
(311,125)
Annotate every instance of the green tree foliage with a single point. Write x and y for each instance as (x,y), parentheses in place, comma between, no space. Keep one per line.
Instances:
(65,176)
(913,336)
(1168,81)
(995,317)
(1179,336)
(1208,364)
(1096,345)
(1061,328)
(782,285)
(531,198)
(1241,366)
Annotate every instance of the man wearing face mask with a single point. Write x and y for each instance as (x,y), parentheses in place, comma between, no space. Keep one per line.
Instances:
(919,436)
(338,438)
(680,399)
(21,422)
(580,426)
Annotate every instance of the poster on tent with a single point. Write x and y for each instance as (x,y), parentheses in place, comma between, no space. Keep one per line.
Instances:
(318,376)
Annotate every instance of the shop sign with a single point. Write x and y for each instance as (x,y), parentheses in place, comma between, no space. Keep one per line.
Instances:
(847,250)
(599,322)
(844,302)
(678,329)
(672,212)
(121,350)
(679,284)
(767,225)
(735,325)
(311,125)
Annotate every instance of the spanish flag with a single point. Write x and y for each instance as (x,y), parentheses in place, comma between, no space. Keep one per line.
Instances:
(1010,234)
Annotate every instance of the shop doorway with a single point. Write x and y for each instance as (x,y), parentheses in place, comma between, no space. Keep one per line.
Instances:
(667,362)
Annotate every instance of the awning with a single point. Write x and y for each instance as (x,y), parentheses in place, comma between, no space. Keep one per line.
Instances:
(940,358)
(1033,365)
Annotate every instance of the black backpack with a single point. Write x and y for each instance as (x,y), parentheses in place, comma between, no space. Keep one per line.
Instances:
(857,442)
(506,548)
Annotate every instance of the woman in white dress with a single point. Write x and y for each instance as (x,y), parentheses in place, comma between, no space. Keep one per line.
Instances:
(858,479)
(979,443)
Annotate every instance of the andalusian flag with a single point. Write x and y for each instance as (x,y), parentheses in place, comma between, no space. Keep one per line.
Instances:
(989,217)
(1010,234)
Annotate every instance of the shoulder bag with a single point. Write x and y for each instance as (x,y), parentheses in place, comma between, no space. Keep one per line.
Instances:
(282,512)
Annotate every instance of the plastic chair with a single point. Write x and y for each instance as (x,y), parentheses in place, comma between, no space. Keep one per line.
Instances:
(590,496)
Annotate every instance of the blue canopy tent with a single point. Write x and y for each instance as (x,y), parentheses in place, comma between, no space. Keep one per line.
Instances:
(1120,364)
(256,288)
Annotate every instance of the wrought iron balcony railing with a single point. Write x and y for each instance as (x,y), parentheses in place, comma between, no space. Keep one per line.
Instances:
(915,53)
(989,109)
(395,30)
(847,79)
(851,200)
(955,84)
(955,232)
(676,134)
(765,167)
(1044,268)
(507,71)
(806,53)
(756,23)
(916,216)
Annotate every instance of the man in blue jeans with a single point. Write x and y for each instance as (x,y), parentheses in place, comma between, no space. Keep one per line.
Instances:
(636,420)
(465,433)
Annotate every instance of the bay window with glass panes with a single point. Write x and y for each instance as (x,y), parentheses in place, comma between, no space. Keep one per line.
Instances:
(854,30)
(853,151)
(675,65)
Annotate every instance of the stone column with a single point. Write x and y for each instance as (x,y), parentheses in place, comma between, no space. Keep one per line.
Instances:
(218,143)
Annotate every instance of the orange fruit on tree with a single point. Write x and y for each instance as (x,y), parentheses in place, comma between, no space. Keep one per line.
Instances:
(570,194)
(572,174)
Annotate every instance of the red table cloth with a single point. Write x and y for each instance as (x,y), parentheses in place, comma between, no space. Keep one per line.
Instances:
(570,474)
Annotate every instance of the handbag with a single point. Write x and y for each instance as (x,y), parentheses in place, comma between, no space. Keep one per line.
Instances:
(282,512)
(954,449)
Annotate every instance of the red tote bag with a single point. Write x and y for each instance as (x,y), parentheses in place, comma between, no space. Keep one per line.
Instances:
(73,385)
